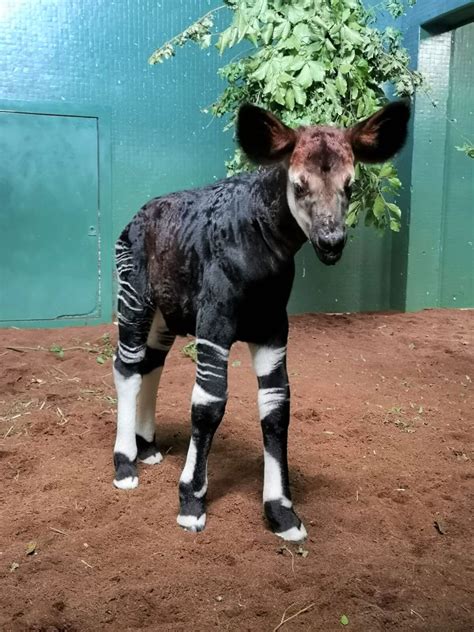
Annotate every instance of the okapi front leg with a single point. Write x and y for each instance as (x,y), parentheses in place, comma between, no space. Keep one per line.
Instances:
(274,407)
(208,405)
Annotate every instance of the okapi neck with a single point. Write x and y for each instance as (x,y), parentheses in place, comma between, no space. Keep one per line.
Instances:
(274,213)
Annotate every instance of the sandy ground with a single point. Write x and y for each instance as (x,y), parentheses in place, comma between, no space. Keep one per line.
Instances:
(381,458)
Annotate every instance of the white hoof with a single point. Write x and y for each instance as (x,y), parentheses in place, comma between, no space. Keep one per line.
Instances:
(295,534)
(127,483)
(153,459)
(191,523)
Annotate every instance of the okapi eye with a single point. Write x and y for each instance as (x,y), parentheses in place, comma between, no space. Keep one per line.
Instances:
(348,188)
(300,189)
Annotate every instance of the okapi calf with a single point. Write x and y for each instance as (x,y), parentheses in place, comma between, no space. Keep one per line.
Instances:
(218,263)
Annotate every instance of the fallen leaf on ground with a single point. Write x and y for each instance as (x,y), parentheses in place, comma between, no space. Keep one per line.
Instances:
(31,547)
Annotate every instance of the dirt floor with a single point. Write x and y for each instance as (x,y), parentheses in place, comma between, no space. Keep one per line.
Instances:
(381,461)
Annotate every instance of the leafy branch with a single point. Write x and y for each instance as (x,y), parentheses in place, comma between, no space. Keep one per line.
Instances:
(312,62)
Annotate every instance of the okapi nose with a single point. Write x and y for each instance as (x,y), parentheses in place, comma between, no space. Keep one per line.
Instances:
(333,241)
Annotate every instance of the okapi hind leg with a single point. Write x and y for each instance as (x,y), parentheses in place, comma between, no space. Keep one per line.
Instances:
(144,342)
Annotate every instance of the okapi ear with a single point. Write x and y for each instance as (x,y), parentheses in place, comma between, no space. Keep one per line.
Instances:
(262,136)
(379,137)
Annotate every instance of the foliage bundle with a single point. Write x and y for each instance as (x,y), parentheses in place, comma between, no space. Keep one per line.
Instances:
(312,62)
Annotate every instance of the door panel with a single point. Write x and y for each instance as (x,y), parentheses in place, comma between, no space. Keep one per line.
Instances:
(49,217)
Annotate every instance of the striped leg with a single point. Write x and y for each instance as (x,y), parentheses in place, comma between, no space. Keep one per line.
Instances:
(208,406)
(143,345)
(274,406)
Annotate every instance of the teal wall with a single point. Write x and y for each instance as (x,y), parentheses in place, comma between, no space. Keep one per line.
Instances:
(417,252)
(93,54)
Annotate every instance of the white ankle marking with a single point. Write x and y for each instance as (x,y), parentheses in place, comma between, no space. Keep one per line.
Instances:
(127,483)
(202,491)
(269,399)
(295,534)
(200,397)
(191,522)
(272,485)
(153,459)
(188,471)
(127,393)
(266,359)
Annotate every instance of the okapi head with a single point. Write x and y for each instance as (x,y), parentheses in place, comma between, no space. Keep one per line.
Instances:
(320,165)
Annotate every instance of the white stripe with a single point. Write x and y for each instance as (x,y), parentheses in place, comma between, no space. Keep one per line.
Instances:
(272,484)
(211,366)
(122,258)
(201,373)
(188,471)
(128,294)
(134,309)
(266,359)
(128,356)
(223,352)
(202,491)
(200,397)
(124,268)
(122,283)
(127,393)
(295,534)
(191,522)
(122,319)
(131,349)
(269,399)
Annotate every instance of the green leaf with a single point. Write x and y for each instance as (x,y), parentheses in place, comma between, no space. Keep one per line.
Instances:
(395,183)
(395,225)
(224,39)
(341,84)
(344,620)
(317,71)
(385,170)
(296,13)
(303,32)
(267,33)
(378,208)
(345,67)
(300,95)
(290,99)
(305,78)
(261,71)
(394,210)
(57,350)
(351,36)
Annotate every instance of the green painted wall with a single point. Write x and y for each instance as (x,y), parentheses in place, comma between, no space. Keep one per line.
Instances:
(418,252)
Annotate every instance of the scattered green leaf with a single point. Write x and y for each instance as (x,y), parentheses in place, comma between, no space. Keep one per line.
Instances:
(190,350)
(31,547)
(57,350)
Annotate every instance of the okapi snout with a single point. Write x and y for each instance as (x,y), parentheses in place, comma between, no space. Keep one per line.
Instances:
(329,244)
